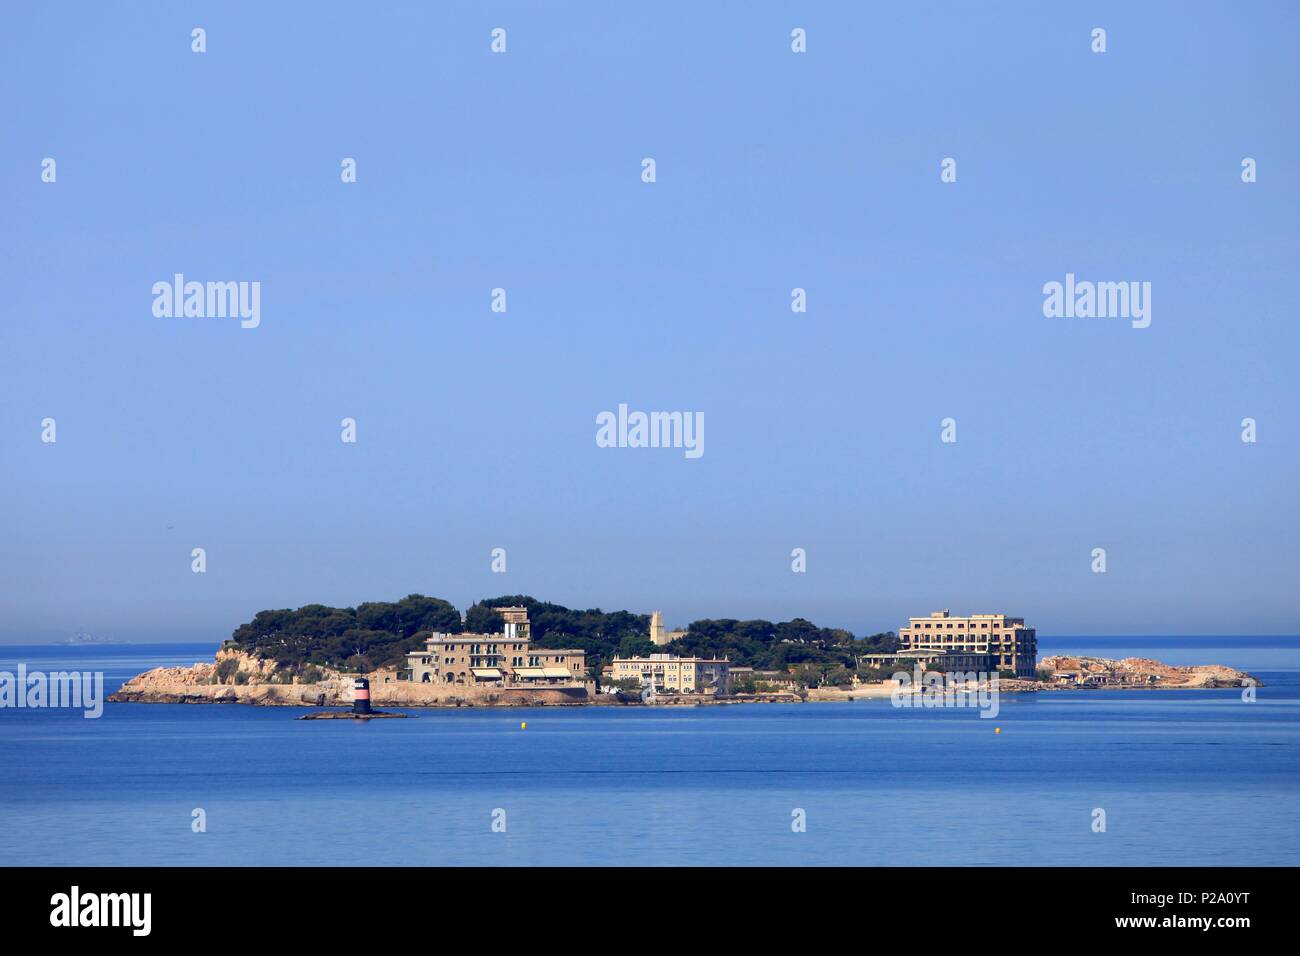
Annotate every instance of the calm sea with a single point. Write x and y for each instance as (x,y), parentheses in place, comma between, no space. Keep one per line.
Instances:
(1184,777)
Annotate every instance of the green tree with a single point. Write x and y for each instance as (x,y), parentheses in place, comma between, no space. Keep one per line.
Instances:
(484,619)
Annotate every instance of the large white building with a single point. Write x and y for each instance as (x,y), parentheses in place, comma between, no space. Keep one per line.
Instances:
(1009,645)
(679,675)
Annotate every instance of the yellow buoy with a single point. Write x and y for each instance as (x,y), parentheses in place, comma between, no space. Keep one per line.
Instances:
(523,725)
(997,730)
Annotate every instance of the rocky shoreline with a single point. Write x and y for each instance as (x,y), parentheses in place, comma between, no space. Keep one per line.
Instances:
(262,682)
(1131,673)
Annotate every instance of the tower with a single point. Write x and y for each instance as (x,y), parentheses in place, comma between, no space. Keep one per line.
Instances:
(517,627)
(361,696)
(657,636)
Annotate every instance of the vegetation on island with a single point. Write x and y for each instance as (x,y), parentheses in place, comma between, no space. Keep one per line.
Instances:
(819,652)
(362,638)
(379,634)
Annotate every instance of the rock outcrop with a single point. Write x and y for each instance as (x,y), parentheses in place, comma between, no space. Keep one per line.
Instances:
(236,677)
(1138,672)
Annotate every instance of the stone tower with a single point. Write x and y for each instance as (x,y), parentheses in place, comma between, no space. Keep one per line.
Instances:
(657,635)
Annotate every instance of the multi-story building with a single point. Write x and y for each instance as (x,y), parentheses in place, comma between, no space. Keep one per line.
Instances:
(681,675)
(1009,645)
(506,658)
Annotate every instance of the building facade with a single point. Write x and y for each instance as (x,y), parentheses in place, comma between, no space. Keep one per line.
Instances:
(1008,644)
(947,661)
(502,659)
(676,675)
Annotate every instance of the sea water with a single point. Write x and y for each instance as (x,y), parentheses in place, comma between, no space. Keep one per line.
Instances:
(1180,777)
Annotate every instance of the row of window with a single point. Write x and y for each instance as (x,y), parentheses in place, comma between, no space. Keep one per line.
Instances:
(982,625)
(927,639)
(479,648)
(492,661)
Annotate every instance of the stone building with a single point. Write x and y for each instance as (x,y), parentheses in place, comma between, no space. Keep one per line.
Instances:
(505,659)
(680,675)
(1007,643)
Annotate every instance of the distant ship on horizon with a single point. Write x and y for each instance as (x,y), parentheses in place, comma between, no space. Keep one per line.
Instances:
(81,637)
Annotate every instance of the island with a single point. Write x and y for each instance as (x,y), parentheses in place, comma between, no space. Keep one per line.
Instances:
(517,651)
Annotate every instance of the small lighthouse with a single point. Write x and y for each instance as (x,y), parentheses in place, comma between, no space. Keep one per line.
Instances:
(361,696)
(360,706)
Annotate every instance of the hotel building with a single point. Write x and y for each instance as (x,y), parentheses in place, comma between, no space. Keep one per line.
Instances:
(496,659)
(680,675)
(1007,643)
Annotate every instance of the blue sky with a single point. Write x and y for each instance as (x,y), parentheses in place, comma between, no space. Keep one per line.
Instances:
(775,170)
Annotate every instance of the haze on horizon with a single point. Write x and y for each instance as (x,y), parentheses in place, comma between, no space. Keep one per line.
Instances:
(475,430)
